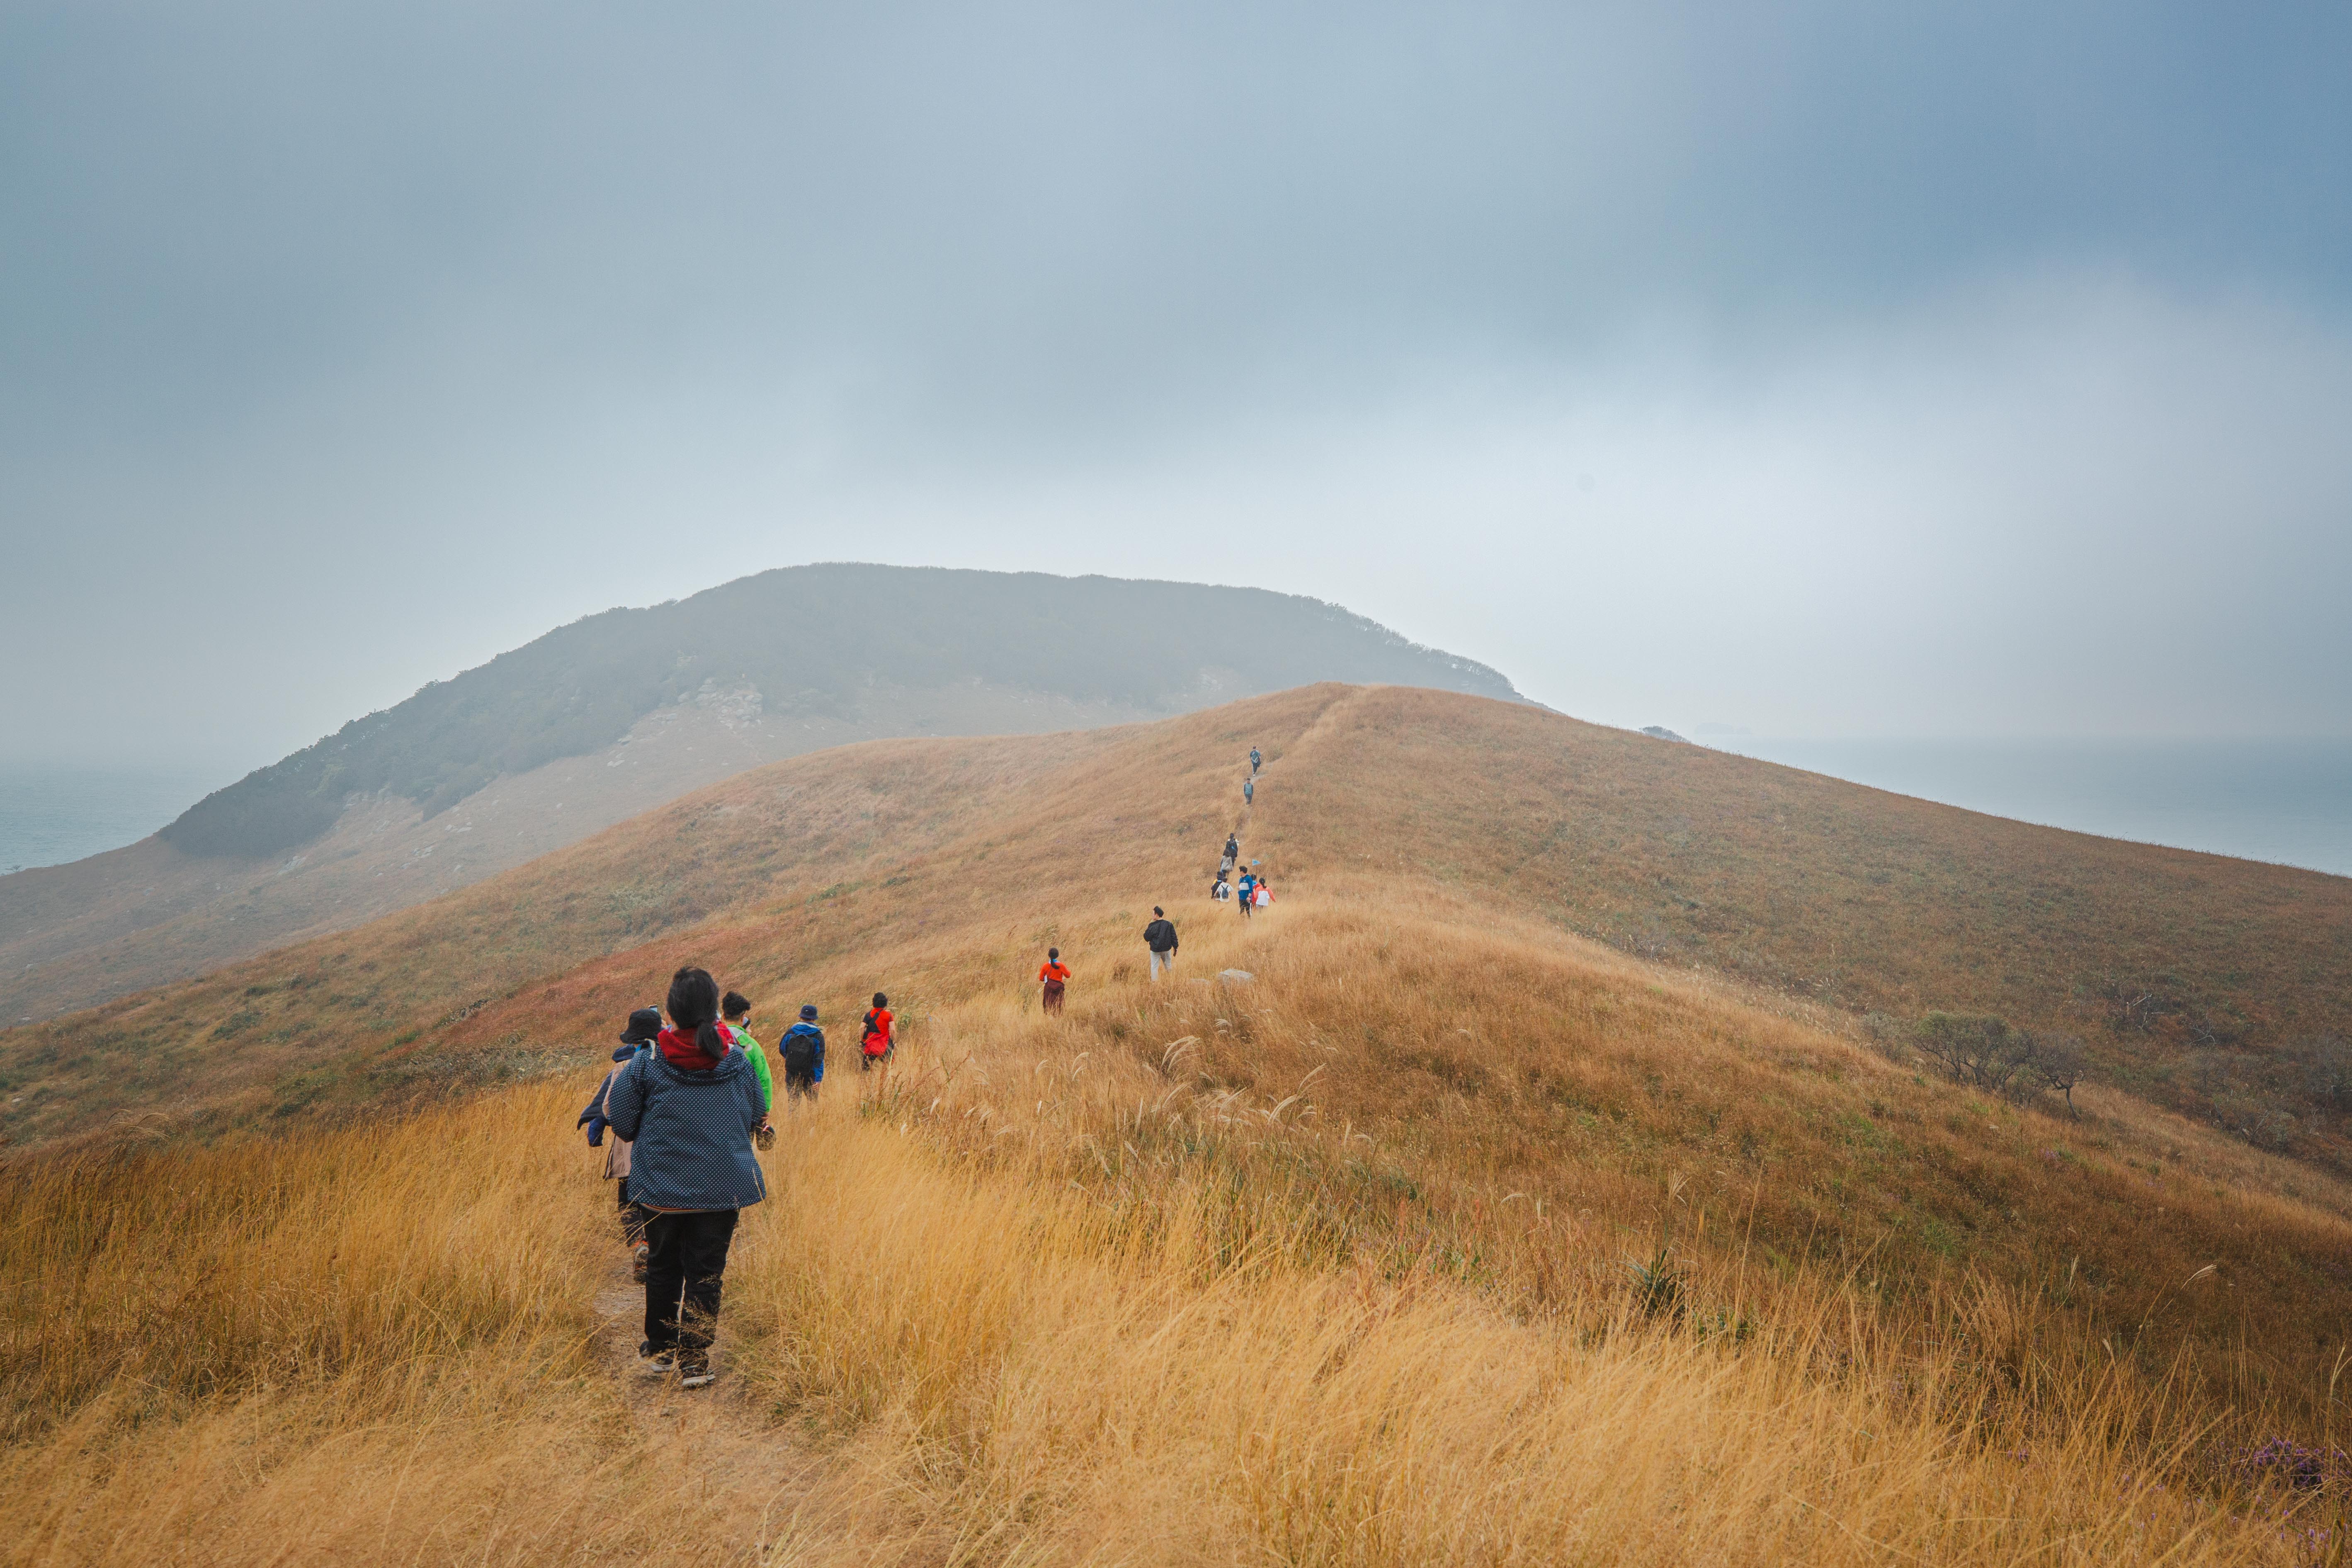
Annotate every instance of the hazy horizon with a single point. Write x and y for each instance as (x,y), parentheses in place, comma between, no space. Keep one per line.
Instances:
(1817,370)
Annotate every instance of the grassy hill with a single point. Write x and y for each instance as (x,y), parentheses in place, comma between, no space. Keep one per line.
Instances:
(814,640)
(1451,1233)
(615,714)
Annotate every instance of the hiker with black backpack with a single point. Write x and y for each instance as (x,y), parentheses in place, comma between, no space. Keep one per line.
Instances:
(802,1050)
(877,1041)
(1255,759)
(689,1106)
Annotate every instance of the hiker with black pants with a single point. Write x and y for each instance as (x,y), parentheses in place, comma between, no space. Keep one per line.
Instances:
(1255,760)
(1249,792)
(639,1032)
(802,1049)
(1231,856)
(1160,936)
(688,1107)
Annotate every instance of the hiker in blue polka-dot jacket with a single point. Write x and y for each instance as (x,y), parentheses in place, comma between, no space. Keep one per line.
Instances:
(688,1107)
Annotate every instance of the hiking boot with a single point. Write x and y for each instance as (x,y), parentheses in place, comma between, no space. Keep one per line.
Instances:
(695,1372)
(639,1260)
(652,1362)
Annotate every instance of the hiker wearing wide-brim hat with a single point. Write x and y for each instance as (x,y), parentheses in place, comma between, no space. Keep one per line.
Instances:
(643,1025)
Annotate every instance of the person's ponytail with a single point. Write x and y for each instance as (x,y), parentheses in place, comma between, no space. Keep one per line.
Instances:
(694,1005)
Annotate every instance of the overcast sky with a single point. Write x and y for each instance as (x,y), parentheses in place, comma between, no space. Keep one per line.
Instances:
(1815,369)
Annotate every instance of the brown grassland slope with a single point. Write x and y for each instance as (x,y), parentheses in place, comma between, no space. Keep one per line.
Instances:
(1448,1235)
(150,913)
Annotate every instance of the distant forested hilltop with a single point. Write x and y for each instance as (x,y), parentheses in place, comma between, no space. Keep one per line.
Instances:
(818,640)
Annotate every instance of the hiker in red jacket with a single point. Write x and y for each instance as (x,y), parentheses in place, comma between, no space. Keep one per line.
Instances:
(877,1039)
(1055,975)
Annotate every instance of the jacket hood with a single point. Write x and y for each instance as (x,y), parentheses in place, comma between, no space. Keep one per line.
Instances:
(729,1065)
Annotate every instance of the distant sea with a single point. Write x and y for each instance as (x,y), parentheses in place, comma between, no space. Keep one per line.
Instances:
(49,815)
(2288,801)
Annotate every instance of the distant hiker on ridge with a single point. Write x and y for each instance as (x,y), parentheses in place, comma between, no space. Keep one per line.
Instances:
(639,1032)
(1249,791)
(1232,856)
(877,1039)
(802,1051)
(1255,760)
(1160,936)
(1055,975)
(689,1106)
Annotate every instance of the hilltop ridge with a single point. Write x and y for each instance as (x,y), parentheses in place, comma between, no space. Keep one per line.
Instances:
(615,714)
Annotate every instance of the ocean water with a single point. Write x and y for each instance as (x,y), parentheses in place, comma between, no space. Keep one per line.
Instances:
(2288,801)
(50,815)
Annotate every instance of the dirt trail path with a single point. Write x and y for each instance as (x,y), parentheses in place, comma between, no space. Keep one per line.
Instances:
(752,1476)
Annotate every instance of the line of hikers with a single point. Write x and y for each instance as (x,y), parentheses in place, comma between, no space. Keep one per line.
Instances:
(1251,888)
(686,1104)
(690,1098)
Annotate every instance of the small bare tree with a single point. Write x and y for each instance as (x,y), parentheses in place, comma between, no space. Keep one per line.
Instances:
(1978,1049)
(2058,1063)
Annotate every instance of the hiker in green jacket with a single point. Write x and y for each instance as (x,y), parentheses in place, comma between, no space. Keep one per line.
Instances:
(736,1012)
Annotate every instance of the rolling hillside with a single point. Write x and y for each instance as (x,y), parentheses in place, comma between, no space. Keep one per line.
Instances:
(616,713)
(1445,1232)
(1864,903)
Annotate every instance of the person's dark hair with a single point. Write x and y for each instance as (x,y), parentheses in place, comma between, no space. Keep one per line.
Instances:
(1052,953)
(734,1005)
(1158,910)
(694,1007)
(880,1000)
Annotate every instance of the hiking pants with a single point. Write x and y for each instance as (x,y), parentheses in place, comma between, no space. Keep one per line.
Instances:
(689,1254)
(1163,961)
(800,1085)
(633,1217)
(1052,1001)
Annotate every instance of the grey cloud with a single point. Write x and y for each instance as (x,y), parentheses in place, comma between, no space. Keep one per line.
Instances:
(347,344)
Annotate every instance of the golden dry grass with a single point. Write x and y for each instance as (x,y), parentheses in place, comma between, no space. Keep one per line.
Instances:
(368,1345)
(1054,1304)
(1335,1266)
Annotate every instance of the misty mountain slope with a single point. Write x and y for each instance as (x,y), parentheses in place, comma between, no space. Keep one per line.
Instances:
(616,713)
(817,642)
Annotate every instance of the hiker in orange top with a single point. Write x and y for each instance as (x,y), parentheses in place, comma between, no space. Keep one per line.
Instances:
(1056,974)
(878,1038)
